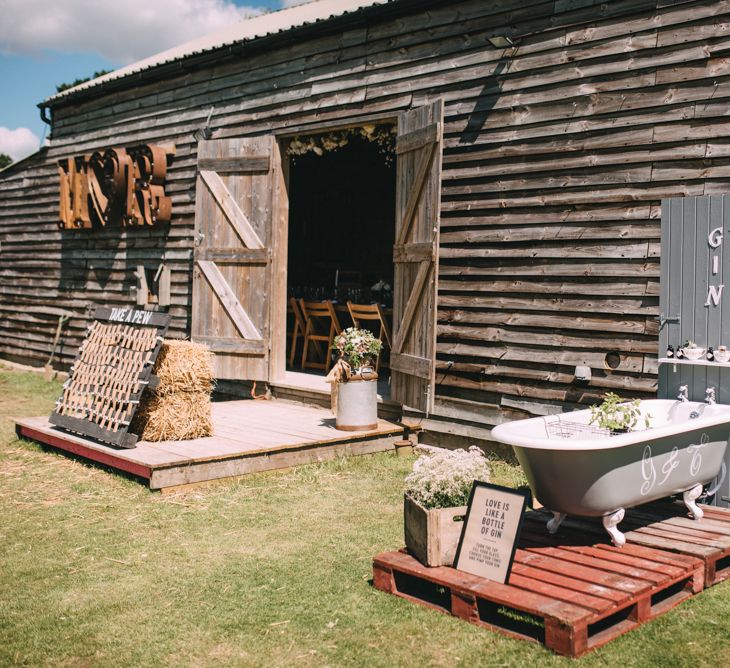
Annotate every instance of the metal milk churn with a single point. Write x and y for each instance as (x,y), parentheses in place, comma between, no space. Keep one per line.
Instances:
(357,401)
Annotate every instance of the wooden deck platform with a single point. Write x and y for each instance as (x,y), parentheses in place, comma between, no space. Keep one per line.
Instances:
(248,437)
(573,597)
(666,526)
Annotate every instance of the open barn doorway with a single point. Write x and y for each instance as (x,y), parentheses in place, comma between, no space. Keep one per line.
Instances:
(342,189)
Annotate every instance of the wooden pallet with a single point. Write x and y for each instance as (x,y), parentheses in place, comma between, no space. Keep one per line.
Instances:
(572,598)
(667,526)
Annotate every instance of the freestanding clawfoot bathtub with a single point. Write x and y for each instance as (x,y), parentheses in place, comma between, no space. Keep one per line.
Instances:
(576,469)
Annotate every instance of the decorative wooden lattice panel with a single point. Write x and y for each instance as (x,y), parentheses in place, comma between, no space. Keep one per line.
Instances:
(111,371)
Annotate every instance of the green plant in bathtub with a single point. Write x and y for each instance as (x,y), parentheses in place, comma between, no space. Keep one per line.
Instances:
(617,415)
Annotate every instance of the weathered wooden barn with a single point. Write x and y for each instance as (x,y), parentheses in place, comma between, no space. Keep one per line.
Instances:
(535,141)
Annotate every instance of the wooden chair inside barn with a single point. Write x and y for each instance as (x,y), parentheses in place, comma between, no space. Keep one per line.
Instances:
(320,327)
(364,314)
(298,329)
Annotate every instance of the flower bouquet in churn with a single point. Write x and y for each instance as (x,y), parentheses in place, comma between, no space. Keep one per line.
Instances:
(358,348)
(354,381)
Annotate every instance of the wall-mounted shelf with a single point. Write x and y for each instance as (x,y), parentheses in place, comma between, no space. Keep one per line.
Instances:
(672,360)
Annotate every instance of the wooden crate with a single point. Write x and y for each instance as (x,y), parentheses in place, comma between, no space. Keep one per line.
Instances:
(665,526)
(572,598)
(432,536)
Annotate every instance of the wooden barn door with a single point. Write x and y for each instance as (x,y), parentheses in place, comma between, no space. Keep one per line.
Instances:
(232,276)
(415,255)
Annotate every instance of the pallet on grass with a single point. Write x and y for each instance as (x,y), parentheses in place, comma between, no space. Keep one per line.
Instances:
(111,371)
(666,526)
(572,598)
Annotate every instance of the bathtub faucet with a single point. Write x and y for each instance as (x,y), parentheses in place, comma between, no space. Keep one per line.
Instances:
(710,395)
(683,393)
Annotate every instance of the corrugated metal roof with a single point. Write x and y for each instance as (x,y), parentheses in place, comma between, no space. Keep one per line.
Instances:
(259,26)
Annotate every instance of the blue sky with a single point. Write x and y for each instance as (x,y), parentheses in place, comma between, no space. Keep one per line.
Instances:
(43,44)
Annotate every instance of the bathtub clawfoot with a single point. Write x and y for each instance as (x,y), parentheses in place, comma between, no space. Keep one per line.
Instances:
(609,524)
(690,497)
(554,524)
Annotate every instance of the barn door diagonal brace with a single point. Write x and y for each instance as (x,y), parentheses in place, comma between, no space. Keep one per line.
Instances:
(411,306)
(228,301)
(424,165)
(238,220)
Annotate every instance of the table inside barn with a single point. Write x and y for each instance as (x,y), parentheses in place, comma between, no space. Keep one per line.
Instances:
(249,436)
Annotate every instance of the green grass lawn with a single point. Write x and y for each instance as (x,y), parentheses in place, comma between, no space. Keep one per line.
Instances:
(270,570)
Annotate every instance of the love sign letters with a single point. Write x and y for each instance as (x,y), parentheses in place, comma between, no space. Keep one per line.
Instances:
(116,186)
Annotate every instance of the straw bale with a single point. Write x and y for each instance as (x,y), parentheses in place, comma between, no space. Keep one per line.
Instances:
(179,408)
(174,417)
(184,366)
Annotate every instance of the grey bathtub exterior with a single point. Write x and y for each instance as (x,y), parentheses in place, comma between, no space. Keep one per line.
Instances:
(575,468)
(598,482)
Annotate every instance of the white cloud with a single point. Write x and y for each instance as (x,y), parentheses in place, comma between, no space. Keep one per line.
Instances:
(120,31)
(18,143)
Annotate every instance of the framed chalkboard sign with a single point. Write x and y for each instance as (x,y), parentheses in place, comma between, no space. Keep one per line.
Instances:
(491,528)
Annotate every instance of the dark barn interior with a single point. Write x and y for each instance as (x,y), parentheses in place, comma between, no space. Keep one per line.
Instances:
(341,227)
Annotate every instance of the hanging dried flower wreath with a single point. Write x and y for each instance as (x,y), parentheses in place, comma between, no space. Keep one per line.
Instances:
(382,135)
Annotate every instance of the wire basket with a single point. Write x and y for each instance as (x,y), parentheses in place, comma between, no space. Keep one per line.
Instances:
(559,428)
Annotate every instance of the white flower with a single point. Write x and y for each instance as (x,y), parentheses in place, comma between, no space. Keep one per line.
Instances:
(444,478)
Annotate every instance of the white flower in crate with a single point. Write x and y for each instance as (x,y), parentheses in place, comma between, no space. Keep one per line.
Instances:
(443,478)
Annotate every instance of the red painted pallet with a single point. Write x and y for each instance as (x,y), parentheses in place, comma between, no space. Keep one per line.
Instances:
(571,597)
(666,526)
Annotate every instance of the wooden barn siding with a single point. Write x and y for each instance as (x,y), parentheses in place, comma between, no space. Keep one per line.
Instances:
(557,154)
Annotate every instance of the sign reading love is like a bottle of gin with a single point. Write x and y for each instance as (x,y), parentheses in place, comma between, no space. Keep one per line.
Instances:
(489,536)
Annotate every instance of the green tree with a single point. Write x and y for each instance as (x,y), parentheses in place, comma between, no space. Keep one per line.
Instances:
(5,160)
(65,86)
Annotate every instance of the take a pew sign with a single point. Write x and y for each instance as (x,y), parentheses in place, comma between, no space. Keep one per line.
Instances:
(489,537)
(114,187)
